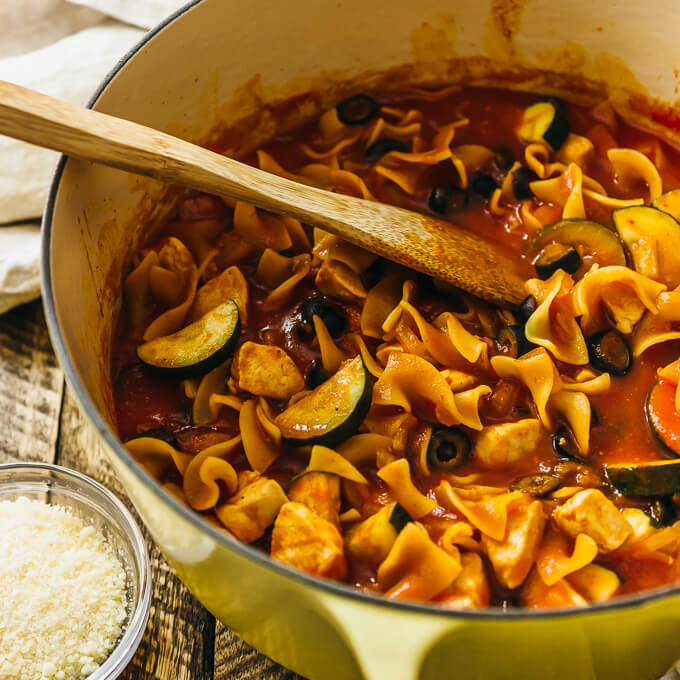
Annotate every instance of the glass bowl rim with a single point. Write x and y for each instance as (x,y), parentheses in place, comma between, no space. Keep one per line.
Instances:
(120,656)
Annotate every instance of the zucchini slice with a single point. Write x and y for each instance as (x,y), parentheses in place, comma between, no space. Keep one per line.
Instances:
(399,517)
(197,348)
(650,232)
(332,412)
(660,478)
(662,417)
(592,241)
(545,121)
(669,203)
(372,539)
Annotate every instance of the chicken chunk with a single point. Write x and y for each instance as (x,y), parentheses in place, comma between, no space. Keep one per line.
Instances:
(372,539)
(513,557)
(307,542)
(591,512)
(229,285)
(320,492)
(253,508)
(337,280)
(537,595)
(267,371)
(471,589)
(504,444)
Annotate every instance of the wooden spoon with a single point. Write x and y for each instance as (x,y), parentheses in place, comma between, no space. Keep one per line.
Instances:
(435,247)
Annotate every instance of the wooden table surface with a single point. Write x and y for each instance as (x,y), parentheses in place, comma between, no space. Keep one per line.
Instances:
(40,421)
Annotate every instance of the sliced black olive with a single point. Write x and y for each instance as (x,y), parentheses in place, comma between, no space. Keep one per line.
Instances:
(335,320)
(447,198)
(609,352)
(565,446)
(315,376)
(483,184)
(162,433)
(521,178)
(304,331)
(449,448)
(536,485)
(504,158)
(557,256)
(357,110)
(314,306)
(512,341)
(378,149)
(663,511)
(526,308)
(332,316)
(371,276)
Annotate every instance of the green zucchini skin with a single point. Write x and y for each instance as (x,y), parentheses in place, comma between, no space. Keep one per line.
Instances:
(157,354)
(652,419)
(293,482)
(660,478)
(588,237)
(669,203)
(399,517)
(546,120)
(294,416)
(653,479)
(636,221)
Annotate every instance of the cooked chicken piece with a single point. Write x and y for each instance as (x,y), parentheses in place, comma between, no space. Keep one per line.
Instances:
(320,492)
(505,444)
(229,285)
(253,508)
(537,595)
(591,512)
(337,280)
(513,557)
(372,539)
(267,371)
(471,589)
(595,583)
(304,540)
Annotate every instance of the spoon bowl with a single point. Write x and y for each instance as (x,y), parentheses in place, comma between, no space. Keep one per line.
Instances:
(435,247)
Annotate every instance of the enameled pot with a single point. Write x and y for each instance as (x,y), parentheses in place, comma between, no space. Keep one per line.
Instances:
(223,70)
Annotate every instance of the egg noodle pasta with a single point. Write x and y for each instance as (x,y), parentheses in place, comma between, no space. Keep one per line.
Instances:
(364,423)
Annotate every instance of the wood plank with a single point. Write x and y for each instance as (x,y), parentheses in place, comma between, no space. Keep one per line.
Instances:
(179,640)
(236,660)
(31,387)
(182,641)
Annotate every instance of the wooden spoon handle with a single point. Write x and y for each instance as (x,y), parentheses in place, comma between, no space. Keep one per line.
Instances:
(431,246)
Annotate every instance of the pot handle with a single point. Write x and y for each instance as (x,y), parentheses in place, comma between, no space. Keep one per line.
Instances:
(395,650)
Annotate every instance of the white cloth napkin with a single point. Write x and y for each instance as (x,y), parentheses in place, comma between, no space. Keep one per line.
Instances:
(63,48)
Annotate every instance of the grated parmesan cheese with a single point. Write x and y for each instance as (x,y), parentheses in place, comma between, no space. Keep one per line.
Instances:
(62,594)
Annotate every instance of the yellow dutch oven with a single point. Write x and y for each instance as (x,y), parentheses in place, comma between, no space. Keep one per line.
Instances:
(221,70)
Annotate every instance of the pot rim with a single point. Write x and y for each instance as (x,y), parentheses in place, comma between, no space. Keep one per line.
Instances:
(339,589)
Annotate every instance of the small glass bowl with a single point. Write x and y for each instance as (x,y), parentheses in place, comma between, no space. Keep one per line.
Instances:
(96,505)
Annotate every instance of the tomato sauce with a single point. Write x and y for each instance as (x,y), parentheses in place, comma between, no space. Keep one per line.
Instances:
(620,432)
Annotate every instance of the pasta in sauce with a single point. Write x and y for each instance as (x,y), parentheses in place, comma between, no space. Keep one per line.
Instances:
(366,424)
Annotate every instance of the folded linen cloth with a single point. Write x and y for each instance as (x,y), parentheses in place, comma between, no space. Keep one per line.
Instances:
(63,48)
